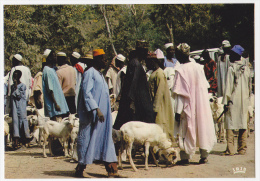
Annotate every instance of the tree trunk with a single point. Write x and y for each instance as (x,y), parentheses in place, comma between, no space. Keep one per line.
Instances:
(103,10)
(171,32)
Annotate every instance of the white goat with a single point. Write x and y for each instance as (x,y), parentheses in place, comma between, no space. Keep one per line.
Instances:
(74,132)
(147,134)
(58,130)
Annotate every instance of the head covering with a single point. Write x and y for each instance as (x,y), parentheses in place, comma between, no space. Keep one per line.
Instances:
(196,57)
(167,45)
(159,54)
(184,48)
(18,57)
(61,54)
(46,53)
(120,57)
(238,49)
(76,55)
(141,44)
(98,52)
(89,55)
(151,55)
(226,43)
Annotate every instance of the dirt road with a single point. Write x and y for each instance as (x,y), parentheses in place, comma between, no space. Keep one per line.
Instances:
(31,164)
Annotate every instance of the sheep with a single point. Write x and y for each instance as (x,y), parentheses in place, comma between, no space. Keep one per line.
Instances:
(58,130)
(251,112)
(217,108)
(147,134)
(6,133)
(8,121)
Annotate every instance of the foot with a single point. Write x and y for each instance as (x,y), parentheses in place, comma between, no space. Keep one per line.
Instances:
(241,153)
(183,162)
(115,175)
(79,171)
(226,154)
(28,140)
(203,161)
(79,174)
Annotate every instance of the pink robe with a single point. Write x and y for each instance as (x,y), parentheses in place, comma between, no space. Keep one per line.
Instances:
(197,126)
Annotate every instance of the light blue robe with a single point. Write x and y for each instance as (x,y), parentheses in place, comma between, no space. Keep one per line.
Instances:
(94,138)
(50,82)
(19,113)
(170,64)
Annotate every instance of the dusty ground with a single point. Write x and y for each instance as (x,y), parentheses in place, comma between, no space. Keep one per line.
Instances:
(31,164)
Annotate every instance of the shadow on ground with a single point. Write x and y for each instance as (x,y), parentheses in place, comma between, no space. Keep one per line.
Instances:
(60,173)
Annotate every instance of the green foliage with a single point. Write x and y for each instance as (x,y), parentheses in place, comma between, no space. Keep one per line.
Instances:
(30,29)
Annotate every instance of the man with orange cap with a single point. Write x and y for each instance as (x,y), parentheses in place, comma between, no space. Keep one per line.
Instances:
(95,129)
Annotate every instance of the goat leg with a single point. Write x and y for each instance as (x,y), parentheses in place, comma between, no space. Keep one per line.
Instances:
(155,161)
(129,154)
(66,147)
(147,146)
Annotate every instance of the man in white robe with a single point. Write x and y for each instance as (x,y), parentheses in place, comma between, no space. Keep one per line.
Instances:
(26,78)
(236,101)
(111,77)
(192,108)
(222,67)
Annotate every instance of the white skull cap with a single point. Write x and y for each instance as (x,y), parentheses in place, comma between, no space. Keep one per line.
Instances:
(18,57)
(120,57)
(46,53)
(76,55)
(61,54)
(167,45)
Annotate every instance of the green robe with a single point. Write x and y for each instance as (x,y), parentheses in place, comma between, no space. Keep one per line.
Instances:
(160,94)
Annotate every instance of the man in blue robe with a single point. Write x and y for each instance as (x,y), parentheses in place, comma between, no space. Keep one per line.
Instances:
(169,60)
(95,129)
(55,104)
(19,113)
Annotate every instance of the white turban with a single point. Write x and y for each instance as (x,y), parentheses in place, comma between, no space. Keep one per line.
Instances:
(76,55)
(184,48)
(167,45)
(196,57)
(159,54)
(61,54)
(18,57)
(226,43)
(46,53)
(120,57)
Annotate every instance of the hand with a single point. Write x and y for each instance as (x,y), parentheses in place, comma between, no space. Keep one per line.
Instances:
(38,104)
(177,117)
(226,108)
(100,115)
(57,107)
(15,84)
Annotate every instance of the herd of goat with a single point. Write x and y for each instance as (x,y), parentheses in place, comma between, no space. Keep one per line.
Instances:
(148,135)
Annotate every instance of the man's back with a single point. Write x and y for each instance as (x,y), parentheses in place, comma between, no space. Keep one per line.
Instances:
(67,79)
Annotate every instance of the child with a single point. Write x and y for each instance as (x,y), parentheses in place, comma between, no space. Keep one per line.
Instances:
(18,111)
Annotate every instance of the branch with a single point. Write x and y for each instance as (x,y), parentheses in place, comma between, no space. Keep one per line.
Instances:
(103,10)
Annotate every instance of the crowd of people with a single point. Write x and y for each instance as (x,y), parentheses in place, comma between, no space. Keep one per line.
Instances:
(171,91)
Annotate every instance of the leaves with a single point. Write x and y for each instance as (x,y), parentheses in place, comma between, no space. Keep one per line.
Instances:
(30,29)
